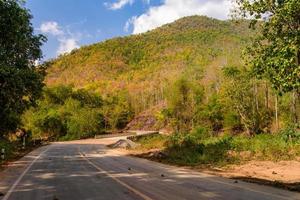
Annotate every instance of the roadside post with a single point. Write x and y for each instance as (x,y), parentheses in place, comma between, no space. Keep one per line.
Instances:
(2,154)
(24,142)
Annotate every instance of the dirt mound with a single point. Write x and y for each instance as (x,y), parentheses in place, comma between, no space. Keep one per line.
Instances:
(124,143)
(147,120)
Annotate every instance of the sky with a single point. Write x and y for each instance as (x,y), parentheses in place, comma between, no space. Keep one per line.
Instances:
(70,24)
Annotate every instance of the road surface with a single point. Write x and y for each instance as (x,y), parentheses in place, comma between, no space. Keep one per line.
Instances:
(87,170)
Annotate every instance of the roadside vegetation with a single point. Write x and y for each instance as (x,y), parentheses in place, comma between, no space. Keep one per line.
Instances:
(226,92)
(201,148)
(252,111)
(64,113)
(21,81)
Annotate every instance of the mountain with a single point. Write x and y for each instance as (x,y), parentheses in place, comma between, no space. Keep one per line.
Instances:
(145,64)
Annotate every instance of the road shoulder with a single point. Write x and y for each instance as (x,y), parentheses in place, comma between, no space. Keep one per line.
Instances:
(13,170)
(282,174)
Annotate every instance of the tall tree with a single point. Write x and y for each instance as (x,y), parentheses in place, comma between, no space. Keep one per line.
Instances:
(275,54)
(21,80)
(185,96)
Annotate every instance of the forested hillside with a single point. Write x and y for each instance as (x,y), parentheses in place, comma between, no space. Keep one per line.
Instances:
(196,47)
(223,91)
(185,76)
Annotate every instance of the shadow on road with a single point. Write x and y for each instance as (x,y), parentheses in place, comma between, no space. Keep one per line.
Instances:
(63,173)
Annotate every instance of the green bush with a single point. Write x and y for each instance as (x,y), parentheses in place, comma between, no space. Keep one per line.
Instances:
(232,120)
(213,113)
(201,133)
(290,134)
(152,141)
(183,102)
(200,147)
(117,110)
(280,146)
(57,94)
(65,113)
(51,123)
(85,123)
(8,146)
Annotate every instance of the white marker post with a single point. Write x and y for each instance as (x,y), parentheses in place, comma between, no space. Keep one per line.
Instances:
(24,142)
(2,154)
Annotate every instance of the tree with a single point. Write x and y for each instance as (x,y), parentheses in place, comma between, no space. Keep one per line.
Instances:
(118,111)
(184,99)
(21,81)
(241,97)
(275,53)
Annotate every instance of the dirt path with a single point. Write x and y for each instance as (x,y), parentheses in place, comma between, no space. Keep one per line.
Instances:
(283,171)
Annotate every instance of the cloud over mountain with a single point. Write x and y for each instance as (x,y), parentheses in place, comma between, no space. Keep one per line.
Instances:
(171,10)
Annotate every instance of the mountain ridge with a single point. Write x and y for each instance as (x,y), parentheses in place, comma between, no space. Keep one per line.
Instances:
(145,64)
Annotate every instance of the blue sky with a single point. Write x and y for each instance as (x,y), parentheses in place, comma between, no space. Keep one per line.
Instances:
(69,24)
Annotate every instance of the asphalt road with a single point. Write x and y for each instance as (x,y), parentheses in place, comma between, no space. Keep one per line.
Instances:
(87,170)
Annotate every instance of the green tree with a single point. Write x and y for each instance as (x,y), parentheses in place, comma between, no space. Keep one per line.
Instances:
(21,81)
(65,113)
(184,99)
(275,53)
(118,110)
(240,96)
(213,113)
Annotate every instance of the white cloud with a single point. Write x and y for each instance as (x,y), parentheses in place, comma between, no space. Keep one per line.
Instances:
(67,40)
(128,23)
(171,10)
(66,45)
(118,5)
(51,27)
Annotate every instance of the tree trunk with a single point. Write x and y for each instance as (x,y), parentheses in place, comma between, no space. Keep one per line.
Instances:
(276,112)
(294,107)
(267,95)
(256,95)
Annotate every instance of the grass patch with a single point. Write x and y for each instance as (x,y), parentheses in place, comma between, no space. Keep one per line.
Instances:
(156,141)
(200,147)
(14,150)
(9,148)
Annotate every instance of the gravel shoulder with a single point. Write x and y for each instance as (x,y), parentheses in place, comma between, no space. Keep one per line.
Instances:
(282,174)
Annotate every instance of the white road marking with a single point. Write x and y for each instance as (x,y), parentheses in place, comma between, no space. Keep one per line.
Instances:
(143,196)
(211,178)
(207,178)
(13,187)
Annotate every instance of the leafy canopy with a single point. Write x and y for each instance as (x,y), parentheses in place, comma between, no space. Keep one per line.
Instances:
(20,79)
(275,53)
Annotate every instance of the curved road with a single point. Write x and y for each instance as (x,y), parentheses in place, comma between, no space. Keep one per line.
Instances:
(87,170)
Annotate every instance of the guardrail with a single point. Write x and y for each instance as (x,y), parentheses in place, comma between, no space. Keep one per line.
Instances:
(114,135)
(131,134)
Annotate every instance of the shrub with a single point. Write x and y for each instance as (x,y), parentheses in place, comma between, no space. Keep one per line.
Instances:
(117,110)
(199,147)
(57,94)
(65,113)
(183,101)
(213,112)
(85,123)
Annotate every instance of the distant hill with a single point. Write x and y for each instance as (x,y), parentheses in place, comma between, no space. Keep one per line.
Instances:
(145,64)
